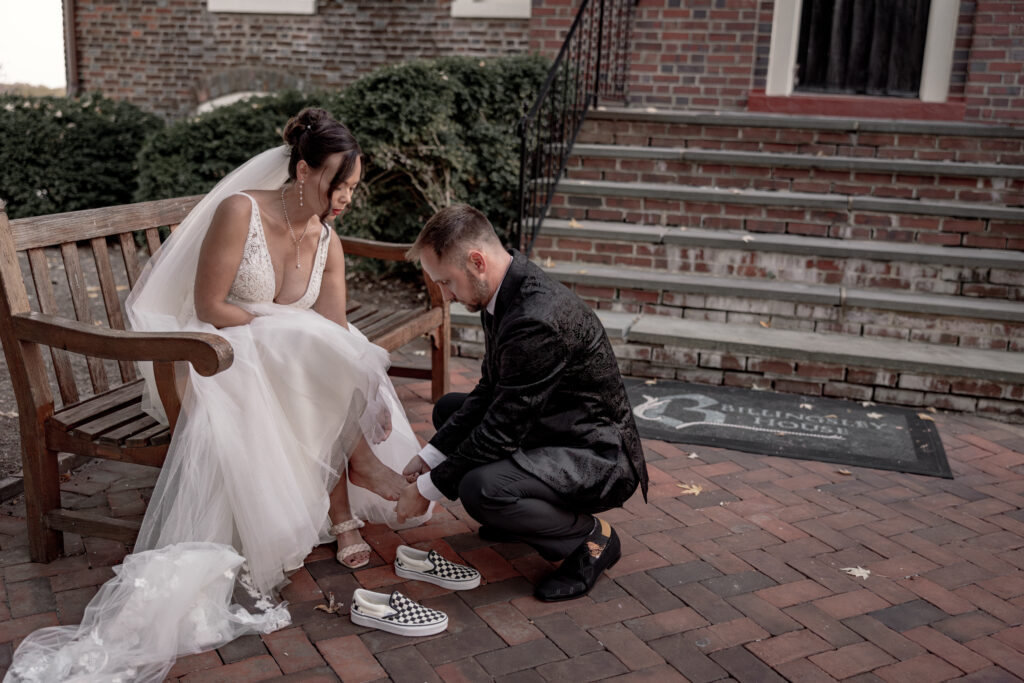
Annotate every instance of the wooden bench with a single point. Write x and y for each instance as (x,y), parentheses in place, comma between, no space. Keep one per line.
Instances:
(92,407)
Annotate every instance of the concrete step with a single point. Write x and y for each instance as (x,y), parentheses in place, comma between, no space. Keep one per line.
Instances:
(636,279)
(881,370)
(781,160)
(612,231)
(934,222)
(827,201)
(859,264)
(995,184)
(741,119)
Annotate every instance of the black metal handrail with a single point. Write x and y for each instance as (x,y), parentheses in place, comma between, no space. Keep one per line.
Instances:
(592,63)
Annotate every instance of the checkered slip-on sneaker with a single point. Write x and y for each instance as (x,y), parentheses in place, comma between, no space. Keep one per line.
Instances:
(421,565)
(395,613)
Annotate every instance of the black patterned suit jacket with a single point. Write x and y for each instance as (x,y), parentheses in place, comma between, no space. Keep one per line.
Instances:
(550,396)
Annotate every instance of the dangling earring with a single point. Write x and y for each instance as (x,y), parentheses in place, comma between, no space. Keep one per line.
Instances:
(302,185)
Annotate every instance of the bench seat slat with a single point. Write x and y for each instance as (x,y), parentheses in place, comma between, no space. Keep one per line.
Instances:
(100,404)
(393,319)
(120,435)
(102,424)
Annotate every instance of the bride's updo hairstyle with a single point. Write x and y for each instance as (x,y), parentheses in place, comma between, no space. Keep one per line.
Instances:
(313,136)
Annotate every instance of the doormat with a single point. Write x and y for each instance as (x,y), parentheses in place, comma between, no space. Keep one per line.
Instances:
(789,425)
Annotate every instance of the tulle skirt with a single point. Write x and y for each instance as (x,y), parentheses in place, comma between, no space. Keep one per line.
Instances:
(241,499)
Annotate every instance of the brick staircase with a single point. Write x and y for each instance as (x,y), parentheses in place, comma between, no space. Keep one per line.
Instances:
(874,260)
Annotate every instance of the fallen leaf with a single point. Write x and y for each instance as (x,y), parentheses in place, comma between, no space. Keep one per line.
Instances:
(858,572)
(833,415)
(931,409)
(573,223)
(650,382)
(758,387)
(748,238)
(844,471)
(549,263)
(874,416)
(66,476)
(693,456)
(923,416)
(419,353)
(8,413)
(764,323)
(867,404)
(690,489)
(331,607)
(807,406)
(582,271)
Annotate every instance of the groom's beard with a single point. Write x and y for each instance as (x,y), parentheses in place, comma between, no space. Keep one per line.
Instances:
(480,295)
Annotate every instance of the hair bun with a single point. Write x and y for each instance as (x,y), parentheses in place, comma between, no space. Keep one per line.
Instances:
(306,120)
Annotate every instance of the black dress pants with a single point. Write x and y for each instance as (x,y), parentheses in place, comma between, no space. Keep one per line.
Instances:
(505,497)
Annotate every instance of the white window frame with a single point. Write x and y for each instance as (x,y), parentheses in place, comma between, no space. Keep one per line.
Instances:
(262,6)
(938,49)
(491,9)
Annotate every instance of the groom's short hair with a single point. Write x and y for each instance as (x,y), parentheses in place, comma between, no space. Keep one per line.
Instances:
(453,231)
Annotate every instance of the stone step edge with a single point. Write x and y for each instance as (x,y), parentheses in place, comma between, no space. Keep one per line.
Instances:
(833,202)
(624,277)
(776,159)
(919,358)
(740,119)
(744,240)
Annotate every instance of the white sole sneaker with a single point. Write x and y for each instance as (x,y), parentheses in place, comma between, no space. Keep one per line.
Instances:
(429,566)
(395,613)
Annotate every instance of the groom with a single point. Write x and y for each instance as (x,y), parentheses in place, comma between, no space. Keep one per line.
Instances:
(547,438)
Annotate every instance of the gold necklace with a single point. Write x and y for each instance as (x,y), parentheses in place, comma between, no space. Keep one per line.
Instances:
(295,240)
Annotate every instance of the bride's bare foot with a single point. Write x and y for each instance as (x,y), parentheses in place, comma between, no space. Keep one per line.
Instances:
(365,470)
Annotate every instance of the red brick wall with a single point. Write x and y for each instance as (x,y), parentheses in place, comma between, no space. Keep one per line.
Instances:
(172,57)
(695,53)
(995,81)
(703,54)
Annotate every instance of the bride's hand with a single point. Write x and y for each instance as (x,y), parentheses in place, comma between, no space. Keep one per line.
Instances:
(415,468)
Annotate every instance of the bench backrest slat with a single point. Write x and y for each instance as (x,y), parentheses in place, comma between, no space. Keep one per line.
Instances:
(111,301)
(83,312)
(131,257)
(39,264)
(76,226)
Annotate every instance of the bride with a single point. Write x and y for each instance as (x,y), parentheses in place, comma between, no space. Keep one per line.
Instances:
(295,443)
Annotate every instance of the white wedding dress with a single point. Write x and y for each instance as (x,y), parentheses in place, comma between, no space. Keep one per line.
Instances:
(242,497)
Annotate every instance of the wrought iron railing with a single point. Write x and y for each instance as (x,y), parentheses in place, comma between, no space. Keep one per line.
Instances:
(592,64)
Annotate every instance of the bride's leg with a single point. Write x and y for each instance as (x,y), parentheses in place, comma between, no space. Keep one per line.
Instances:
(339,512)
(367,471)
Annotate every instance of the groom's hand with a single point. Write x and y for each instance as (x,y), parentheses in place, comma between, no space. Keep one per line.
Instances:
(415,468)
(411,504)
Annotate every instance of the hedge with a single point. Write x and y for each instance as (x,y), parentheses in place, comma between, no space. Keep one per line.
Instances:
(63,155)
(434,132)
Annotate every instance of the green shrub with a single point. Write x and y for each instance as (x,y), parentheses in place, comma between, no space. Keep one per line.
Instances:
(189,157)
(437,132)
(61,154)
(434,132)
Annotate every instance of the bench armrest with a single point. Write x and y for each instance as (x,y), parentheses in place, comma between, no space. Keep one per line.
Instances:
(388,251)
(391,251)
(208,353)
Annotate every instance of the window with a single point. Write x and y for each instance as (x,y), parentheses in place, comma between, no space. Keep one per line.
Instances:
(903,63)
(491,9)
(263,6)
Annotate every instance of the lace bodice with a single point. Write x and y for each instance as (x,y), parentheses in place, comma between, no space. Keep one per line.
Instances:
(255,282)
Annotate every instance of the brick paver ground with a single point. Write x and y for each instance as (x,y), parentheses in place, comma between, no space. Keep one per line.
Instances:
(741,582)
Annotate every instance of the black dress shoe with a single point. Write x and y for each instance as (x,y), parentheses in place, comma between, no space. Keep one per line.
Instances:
(578,573)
